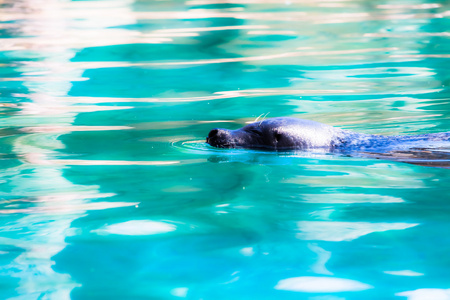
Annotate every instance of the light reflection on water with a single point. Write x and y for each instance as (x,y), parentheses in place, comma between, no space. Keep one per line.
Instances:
(109,191)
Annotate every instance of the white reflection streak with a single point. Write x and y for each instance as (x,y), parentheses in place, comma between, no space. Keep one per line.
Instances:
(42,108)
(68,206)
(98,38)
(95,65)
(322,258)
(271,32)
(207,29)
(406,34)
(36,78)
(116,64)
(61,129)
(209,2)
(137,227)
(277,2)
(216,96)
(45,230)
(180,292)
(426,294)
(409,6)
(41,159)
(350,198)
(116,14)
(421,55)
(310,284)
(349,18)
(344,231)
(404,273)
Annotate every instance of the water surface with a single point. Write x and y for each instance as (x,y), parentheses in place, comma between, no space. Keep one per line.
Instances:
(109,191)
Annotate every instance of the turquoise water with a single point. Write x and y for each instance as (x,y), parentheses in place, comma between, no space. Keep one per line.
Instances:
(108,190)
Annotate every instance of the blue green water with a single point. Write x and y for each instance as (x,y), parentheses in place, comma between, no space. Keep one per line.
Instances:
(108,190)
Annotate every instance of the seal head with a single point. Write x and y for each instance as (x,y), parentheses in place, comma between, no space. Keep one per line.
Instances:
(278,134)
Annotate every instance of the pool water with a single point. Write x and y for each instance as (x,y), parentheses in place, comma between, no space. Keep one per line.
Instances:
(109,191)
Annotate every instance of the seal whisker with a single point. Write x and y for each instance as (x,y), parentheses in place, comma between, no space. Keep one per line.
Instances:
(263,118)
(257,118)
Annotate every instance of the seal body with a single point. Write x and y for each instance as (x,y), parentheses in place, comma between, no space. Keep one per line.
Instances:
(286,133)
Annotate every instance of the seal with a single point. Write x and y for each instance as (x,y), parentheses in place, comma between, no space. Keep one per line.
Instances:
(286,133)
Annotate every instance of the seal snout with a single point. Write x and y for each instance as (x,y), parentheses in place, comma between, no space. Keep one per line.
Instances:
(218,138)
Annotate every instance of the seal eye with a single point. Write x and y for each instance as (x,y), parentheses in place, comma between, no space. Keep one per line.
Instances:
(277,137)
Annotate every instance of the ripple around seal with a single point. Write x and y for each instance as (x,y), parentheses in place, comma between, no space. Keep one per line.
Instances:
(252,156)
(224,155)
(191,146)
(201,147)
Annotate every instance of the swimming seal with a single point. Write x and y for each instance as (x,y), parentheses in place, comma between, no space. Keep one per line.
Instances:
(286,133)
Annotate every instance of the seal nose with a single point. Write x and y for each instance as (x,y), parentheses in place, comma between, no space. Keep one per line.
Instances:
(216,137)
(213,133)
